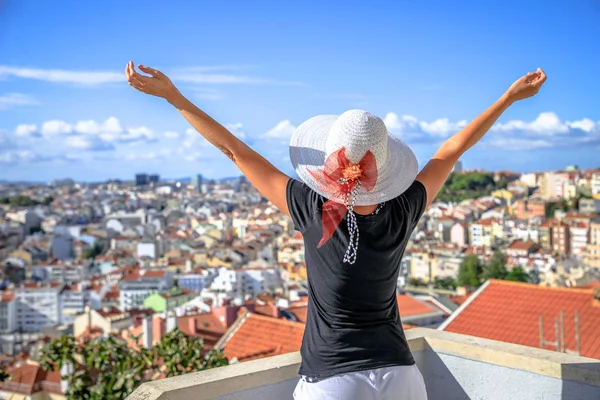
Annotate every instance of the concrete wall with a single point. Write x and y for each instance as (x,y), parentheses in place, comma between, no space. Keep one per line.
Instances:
(455,367)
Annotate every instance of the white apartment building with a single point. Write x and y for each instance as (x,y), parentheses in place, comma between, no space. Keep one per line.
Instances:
(8,312)
(73,299)
(135,287)
(595,184)
(579,234)
(38,305)
(241,282)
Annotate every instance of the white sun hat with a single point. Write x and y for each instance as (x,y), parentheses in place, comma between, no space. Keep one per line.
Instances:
(351,160)
(358,132)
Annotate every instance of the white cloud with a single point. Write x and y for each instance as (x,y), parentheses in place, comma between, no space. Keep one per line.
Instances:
(547,123)
(208,94)
(16,99)
(62,76)
(283,130)
(442,127)
(196,75)
(88,143)
(236,129)
(56,127)
(171,135)
(407,125)
(26,130)
(519,144)
(586,125)
(22,157)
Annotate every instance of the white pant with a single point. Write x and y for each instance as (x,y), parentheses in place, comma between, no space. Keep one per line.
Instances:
(391,383)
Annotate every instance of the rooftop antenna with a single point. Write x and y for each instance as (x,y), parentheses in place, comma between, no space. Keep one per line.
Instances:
(559,329)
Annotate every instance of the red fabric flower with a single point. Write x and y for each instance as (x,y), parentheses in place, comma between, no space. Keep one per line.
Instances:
(337,179)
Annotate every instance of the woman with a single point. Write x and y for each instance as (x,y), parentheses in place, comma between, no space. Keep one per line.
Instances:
(360,198)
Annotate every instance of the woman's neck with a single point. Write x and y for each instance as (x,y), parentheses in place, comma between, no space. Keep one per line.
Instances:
(365,210)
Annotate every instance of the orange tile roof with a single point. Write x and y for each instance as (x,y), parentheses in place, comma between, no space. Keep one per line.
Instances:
(510,312)
(410,306)
(205,325)
(256,336)
(299,312)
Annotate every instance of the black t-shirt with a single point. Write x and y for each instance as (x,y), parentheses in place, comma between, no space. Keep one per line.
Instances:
(353,321)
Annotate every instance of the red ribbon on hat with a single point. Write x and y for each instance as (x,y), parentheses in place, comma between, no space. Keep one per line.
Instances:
(337,178)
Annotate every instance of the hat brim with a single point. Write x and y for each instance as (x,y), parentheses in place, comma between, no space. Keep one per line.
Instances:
(307,152)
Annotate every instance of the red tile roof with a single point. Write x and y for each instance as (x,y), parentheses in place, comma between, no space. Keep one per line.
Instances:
(510,312)
(206,325)
(300,312)
(144,274)
(410,306)
(256,336)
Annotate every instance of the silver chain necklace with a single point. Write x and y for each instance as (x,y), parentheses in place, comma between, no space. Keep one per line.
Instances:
(352,250)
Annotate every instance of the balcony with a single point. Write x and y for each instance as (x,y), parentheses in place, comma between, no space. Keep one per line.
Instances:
(455,367)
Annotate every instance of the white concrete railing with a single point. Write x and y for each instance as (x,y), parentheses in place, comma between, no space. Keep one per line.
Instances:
(454,367)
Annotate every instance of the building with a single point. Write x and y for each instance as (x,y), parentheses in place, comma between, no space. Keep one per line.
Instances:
(135,287)
(531,207)
(192,281)
(168,301)
(521,248)
(589,206)
(511,312)
(481,233)
(595,185)
(580,234)
(8,312)
(591,255)
(141,179)
(459,234)
(560,239)
(108,320)
(63,246)
(458,167)
(154,178)
(74,298)
(197,181)
(38,305)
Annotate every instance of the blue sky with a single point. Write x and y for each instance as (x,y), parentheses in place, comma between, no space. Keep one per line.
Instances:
(263,67)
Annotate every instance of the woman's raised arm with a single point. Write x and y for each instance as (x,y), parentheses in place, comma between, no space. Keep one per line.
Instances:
(269,181)
(438,169)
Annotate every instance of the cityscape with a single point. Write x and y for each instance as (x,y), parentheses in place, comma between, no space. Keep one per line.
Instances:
(138,262)
(146,259)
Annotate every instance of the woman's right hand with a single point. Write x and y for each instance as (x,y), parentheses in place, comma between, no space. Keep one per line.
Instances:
(526,86)
(157,84)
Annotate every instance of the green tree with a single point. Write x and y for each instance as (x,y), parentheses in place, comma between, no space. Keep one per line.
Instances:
(496,268)
(3,375)
(48,200)
(517,274)
(110,369)
(444,283)
(4,200)
(93,251)
(469,273)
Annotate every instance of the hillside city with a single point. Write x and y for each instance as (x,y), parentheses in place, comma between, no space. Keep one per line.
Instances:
(151,267)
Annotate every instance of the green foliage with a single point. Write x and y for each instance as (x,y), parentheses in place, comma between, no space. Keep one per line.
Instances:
(93,251)
(496,268)
(550,209)
(416,282)
(459,187)
(23,201)
(518,275)
(472,273)
(3,375)
(469,273)
(48,200)
(4,200)
(109,369)
(444,283)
